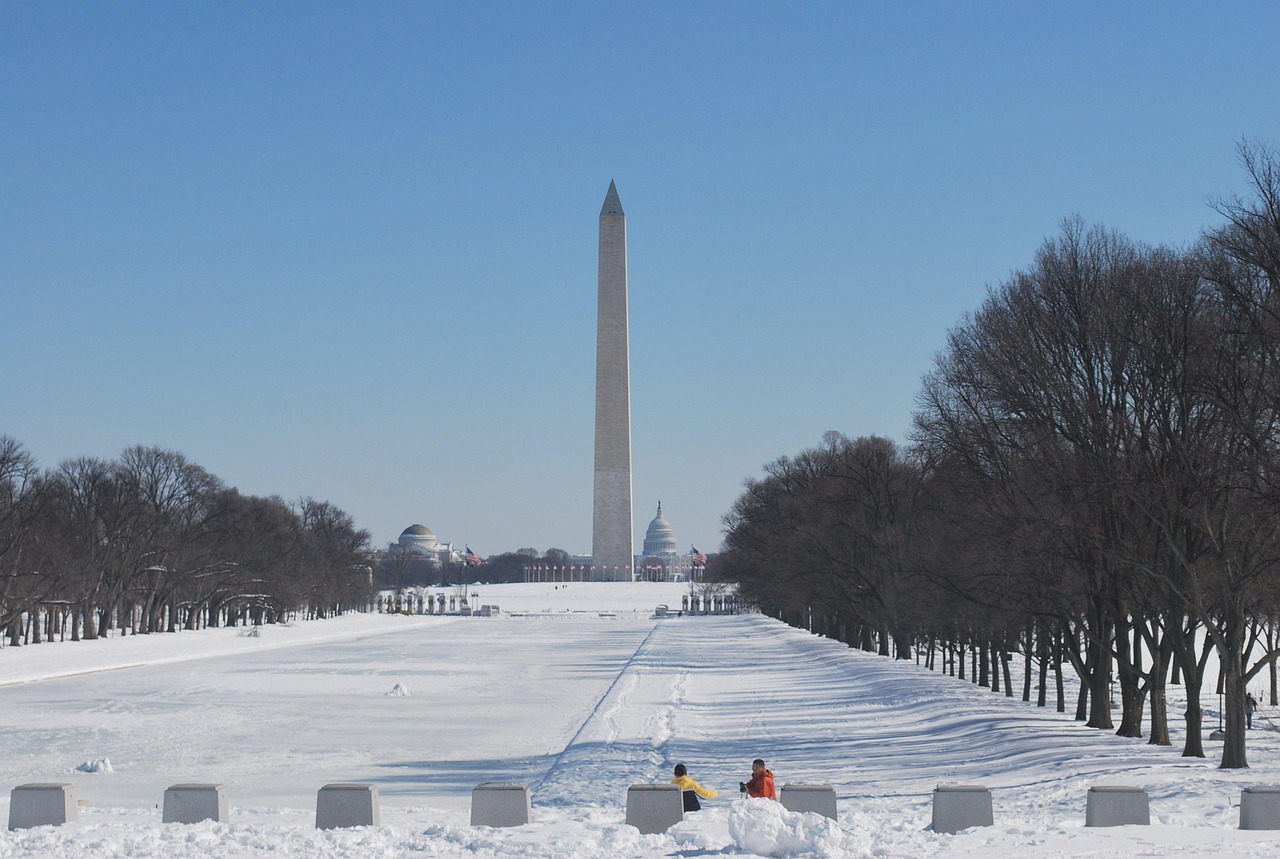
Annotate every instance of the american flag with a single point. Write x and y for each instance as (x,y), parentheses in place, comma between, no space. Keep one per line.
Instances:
(698,557)
(473,560)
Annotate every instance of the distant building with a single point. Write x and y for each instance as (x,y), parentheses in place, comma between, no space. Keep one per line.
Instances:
(660,560)
(422,543)
(659,540)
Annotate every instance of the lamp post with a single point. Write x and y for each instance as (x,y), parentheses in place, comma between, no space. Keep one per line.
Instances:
(1219,734)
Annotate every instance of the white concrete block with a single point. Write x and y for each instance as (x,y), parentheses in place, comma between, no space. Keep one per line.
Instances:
(1260,808)
(1117,805)
(192,803)
(342,805)
(957,807)
(817,798)
(47,804)
(496,804)
(654,808)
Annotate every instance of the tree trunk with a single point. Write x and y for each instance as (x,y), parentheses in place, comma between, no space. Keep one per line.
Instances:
(1042,685)
(1100,678)
(1160,658)
(1156,688)
(1128,669)
(1193,746)
(1026,662)
(1232,662)
(1271,667)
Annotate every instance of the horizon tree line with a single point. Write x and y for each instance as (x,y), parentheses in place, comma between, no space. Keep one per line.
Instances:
(1093,477)
(151,542)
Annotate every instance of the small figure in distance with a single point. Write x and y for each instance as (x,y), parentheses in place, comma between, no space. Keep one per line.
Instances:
(690,790)
(1250,704)
(761,784)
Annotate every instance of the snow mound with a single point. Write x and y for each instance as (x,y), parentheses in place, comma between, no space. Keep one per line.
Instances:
(764,827)
(399,691)
(101,765)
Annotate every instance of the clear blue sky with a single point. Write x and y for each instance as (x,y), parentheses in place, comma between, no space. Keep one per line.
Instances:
(349,250)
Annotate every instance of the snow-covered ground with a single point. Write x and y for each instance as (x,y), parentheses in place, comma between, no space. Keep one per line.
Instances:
(578,692)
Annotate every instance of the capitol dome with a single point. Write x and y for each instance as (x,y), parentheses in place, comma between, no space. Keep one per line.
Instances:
(659,540)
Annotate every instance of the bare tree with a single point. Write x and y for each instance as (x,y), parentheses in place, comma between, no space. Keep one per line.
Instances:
(22,586)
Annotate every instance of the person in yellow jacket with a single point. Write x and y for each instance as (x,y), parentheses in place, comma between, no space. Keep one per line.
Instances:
(690,790)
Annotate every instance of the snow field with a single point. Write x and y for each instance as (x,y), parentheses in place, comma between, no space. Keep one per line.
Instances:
(578,706)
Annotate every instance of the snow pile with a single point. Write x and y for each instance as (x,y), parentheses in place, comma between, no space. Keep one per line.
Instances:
(764,827)
(399,691)
(100,765)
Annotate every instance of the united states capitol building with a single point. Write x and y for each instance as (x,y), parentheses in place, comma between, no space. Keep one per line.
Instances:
(659,559)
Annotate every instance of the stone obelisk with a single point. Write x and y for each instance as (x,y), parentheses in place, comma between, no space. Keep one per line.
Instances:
(611,535)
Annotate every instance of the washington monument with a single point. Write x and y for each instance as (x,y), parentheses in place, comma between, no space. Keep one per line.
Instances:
(611,549)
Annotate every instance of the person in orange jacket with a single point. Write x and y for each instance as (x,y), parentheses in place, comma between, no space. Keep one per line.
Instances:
(690,790)
(761,784)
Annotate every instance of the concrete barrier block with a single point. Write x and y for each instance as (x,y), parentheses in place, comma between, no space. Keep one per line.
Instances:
(654,808)
(48,804)
(192,803)
(817,798)
(497,804)
(957,807)
(1260,808)
(1117,805)
(342,805)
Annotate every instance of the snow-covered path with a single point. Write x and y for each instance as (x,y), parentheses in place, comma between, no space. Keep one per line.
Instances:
(579,706)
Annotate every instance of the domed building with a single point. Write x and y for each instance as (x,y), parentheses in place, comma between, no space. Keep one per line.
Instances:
(418,538)
(659,540)
(660,560)
(421,541)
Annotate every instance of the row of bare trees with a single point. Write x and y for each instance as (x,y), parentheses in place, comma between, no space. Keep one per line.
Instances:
(1094,477)
(151,542)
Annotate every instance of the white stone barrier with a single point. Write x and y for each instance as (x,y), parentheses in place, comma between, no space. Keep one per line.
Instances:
(342,805)
(1260,808)
(42,804)
(957,807)
(192,803)
(497,804)
(817,798)
(1117,805)
(654,808)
